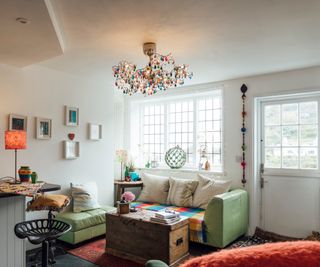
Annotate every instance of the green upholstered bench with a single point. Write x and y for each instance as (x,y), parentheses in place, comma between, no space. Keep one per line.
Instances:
(85,224)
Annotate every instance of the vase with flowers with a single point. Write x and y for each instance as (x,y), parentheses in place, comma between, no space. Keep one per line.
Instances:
(122,157)
(124,204)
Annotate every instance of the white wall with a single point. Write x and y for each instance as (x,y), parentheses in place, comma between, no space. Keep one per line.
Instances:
(277,83)
(37,91)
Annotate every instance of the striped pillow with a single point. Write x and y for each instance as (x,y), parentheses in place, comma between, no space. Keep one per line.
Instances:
(84,196)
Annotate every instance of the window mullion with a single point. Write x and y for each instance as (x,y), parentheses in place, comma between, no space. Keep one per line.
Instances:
(166,134)
(195,128)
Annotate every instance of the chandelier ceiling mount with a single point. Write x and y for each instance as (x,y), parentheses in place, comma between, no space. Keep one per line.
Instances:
(149,49)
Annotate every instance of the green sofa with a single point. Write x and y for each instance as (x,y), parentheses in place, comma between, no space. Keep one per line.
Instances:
(85,225)
(223,221)
(226,217)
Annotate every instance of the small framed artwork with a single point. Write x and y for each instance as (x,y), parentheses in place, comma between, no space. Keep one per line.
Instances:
(44,127)
(95,131)
(72,116)
(71,150)
(17,122)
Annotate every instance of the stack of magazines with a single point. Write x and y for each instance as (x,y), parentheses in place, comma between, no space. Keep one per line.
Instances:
(165,217)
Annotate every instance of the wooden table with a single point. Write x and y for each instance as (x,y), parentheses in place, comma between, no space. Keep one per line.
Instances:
(133,236)
(121,185)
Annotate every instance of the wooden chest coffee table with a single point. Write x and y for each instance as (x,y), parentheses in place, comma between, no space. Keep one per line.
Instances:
(133,236)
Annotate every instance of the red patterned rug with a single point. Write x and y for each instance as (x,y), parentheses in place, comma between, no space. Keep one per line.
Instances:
(95,253)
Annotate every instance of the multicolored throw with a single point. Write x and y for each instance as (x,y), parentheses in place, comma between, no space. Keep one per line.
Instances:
(196,218)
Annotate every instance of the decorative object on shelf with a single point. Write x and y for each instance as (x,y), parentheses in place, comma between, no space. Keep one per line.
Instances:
(15,140)
(175,157)
(17,122)
(71,136)
(154,164)
(243,132)
(134,176)
(127,177)
(203,158)
(122,157)
(71,149)
(72,116)
(25,174)
(34,177)
(95,131)
(207,166)
(43,128)
(160,74)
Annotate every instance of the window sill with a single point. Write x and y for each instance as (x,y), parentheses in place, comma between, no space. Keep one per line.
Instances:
(219,173)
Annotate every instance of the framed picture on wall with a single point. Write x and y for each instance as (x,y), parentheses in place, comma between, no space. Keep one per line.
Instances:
(95,131)
(43,128)
(71,150)
(17,122)
(72,116)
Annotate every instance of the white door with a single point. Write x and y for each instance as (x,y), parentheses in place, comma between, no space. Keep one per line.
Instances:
(290,194)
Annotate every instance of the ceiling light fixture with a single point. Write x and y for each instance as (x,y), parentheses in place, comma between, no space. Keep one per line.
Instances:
(160,74)
(22,20)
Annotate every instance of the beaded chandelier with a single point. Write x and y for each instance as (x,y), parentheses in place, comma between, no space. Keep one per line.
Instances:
(160,74)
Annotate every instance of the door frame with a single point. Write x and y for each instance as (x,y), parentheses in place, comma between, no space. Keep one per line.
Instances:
(256,192)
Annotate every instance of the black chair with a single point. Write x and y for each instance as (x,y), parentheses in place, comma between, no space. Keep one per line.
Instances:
(42,231)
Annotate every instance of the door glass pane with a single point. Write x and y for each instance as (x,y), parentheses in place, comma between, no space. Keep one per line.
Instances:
(308,135)
(273,136)
(308,158)
(290,158)
(272,115)
(289,114)
(272,158)
(308,113)
(290,135)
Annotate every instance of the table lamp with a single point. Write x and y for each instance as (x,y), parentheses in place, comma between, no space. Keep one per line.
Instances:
(15,140)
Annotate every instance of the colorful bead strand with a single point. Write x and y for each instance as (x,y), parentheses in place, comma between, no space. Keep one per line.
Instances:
(243,131)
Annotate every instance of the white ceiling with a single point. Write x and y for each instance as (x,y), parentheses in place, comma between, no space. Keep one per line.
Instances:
(219,39)
(25,44)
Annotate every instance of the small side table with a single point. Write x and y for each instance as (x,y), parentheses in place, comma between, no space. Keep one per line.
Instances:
(121,185)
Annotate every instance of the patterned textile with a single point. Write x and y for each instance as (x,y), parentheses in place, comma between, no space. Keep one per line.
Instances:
(196,218)
(27,189)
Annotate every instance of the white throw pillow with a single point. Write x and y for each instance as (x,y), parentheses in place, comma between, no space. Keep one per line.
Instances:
(181,191)
(207,189)
(84,196)
(155,188)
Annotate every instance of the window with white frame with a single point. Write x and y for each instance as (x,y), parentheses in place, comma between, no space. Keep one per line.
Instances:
(190,122)
(291,131)
(153,131)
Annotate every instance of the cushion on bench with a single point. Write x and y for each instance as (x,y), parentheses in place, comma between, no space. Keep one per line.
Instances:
(196,218)
(84,219)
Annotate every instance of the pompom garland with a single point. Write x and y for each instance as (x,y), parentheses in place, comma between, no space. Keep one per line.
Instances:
(243,131)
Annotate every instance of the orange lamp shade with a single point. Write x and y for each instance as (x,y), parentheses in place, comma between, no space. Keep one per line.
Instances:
(15,140)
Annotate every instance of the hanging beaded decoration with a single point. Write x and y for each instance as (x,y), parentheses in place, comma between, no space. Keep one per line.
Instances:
(243,131)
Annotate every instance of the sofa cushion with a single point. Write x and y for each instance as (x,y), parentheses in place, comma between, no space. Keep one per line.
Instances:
(181,192)
(155,188)
(85,219)
(84,196)
(207,189)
